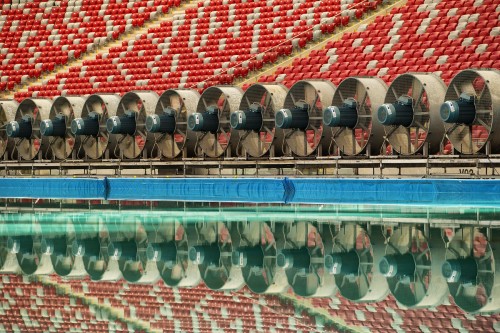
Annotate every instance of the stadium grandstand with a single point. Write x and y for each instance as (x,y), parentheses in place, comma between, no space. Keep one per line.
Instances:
(354,88)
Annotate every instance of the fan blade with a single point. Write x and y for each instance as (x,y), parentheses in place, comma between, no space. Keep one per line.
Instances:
(339,131)
(122,106)
(465,87)
(87,107)
(361,95)
(312,101)
(417,92)
(481,121)
(224,105)
(267,102)
(419,285)
(248,101)
(393,90)
(175,102)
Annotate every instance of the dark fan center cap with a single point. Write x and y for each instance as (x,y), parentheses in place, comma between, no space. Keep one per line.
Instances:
(462,270)
(398,265)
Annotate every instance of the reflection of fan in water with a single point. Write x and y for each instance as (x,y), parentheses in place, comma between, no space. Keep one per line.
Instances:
(352,264)
(91,127)
(407,266)
(92,246)
(470,108)
(130,122)
(28,252)
(131,252)
(212,254)
(302,258)
(350,115)
(301,116)
(255,119)
(169,123)
(256,256)
(470,270)
(409,114)
(170,251)
(60,249)
(211,121)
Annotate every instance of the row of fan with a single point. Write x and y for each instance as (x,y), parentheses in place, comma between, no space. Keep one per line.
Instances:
(415,114)
(316,259)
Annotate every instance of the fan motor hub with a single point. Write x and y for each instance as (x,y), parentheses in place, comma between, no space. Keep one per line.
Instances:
(294,258)
(55,127)
(166,252)
(20,129)
(344,116)
(162,123)
(86,126)
(248,257)
(296,118)
(204,254)
(345,263)
(462,270)
(397,265)
(123,250)
(398,113)
(249,120)
(461,111)
(124,124)
(207,121)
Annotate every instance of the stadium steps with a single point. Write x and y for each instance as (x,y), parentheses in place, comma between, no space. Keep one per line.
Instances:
(320,44)
(134,324)
(92,55)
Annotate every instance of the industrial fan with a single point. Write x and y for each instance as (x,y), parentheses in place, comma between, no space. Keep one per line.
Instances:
(91,127)
(211,121)
(256,255)
(25,130)
(169,123)
(352,262)
(301,117)
(7,114)
(470,270)
(8,260)
(129,124)
(410,114)
(413,275)
(351,116)
(63,142)
(471,110)
(255,120)
(302,257)
(58,237)
(26,243)
(129,248)
(213,255)
(170,252)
